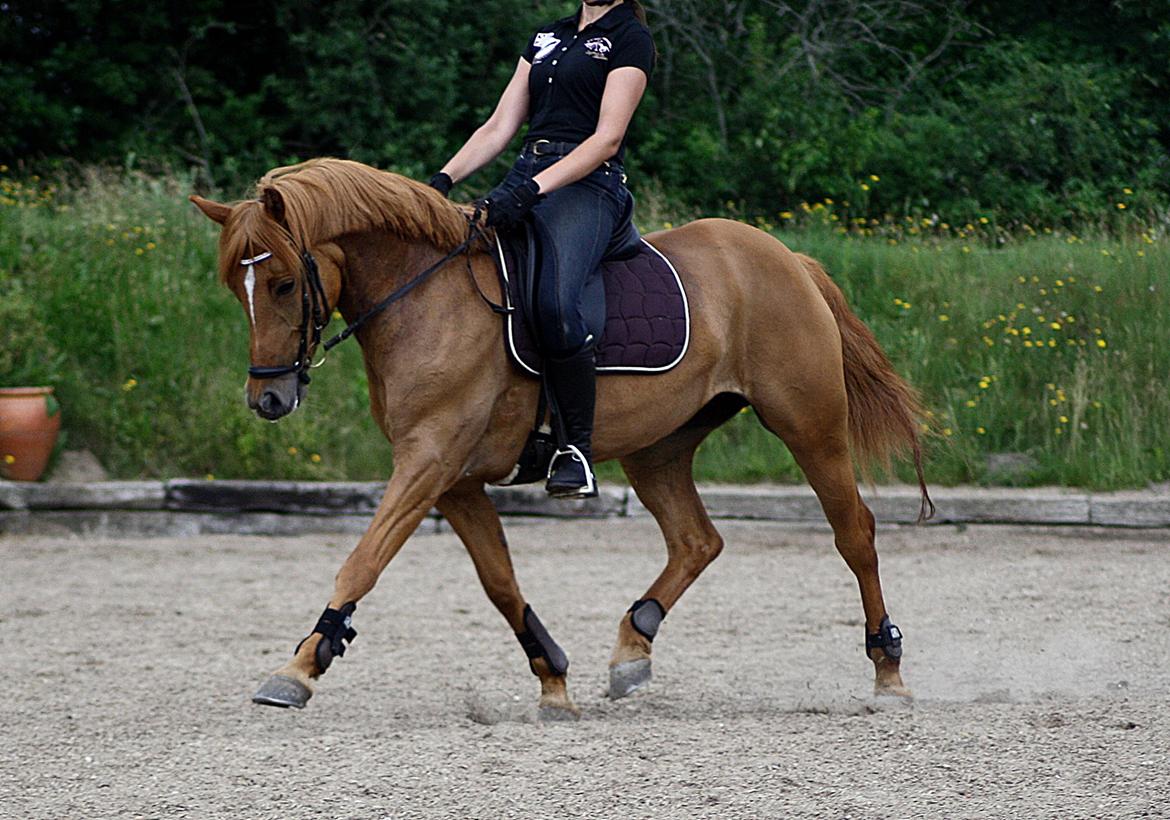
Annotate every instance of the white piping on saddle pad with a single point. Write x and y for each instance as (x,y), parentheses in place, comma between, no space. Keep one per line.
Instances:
(250,281)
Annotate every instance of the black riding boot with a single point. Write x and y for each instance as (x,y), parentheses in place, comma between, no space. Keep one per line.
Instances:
(573,382)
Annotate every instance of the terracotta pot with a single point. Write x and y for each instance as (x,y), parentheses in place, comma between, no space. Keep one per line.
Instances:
(27,431)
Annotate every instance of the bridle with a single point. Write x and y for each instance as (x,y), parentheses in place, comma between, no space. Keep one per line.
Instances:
(315,310)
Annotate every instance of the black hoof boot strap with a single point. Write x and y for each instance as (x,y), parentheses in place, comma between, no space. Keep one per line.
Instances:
(335,626)
(538,643)
(646,616)
(888,639)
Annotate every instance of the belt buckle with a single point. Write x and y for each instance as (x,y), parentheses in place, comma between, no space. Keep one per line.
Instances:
(536,147)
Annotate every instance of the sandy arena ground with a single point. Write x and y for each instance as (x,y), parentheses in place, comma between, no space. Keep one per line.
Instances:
(1040,660)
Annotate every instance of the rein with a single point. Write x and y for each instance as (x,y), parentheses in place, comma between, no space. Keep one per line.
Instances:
(314,306)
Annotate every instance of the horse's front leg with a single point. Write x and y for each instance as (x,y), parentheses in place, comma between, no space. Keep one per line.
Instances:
(474,518)
(410,494)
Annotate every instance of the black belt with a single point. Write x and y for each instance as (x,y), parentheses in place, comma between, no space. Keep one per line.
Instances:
(548,148)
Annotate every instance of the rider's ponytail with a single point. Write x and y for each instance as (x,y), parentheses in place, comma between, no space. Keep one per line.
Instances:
(640,13)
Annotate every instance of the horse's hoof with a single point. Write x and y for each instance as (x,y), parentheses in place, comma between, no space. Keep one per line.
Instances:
(628,677)
(284,692)
(558,714)
(900,692)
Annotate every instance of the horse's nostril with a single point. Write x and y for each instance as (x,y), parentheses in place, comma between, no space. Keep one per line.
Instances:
(269,402)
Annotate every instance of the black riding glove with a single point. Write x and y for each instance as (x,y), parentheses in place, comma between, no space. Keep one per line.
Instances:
(506,208)
(442,183)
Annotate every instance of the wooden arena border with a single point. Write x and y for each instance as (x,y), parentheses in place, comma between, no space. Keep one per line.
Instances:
(193,507)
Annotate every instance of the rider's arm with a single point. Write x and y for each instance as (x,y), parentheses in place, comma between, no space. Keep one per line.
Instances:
(491,138)
(623,91)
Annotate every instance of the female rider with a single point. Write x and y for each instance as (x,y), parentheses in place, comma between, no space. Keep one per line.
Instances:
(577,85)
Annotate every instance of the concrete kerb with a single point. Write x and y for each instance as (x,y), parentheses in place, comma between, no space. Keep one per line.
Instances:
(191,507)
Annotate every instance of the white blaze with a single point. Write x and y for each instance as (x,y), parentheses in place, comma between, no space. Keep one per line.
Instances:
(250,281)
(250,287)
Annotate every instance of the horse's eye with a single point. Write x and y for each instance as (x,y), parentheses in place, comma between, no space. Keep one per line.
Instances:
(286,287)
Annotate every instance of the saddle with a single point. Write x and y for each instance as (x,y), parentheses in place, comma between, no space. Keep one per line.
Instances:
(647,318)
(647,326)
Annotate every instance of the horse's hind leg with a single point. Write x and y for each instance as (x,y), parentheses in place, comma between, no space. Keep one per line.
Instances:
(477,524)
(661,476)
(817,436)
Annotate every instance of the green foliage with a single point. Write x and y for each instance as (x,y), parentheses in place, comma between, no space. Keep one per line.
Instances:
(28,356)
(989,108)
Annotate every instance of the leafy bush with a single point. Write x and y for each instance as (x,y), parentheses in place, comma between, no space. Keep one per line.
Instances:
(28,355)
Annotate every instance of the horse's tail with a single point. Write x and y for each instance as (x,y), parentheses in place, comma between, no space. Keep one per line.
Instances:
(884,411)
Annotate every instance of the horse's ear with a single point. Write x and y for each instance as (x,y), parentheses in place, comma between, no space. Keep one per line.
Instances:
(215,211)
(273,204)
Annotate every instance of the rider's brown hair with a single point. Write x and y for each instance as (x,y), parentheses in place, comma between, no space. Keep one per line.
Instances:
(640,13)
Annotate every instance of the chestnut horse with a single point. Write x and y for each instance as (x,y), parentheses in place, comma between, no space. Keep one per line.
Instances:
(769,330)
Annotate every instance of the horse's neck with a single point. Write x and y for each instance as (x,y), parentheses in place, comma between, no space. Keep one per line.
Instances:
(443,306)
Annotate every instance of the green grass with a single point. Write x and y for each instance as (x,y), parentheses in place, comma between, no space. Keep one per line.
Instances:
(151,351)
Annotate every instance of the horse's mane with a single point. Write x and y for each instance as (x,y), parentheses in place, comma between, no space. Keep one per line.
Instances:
(327,198)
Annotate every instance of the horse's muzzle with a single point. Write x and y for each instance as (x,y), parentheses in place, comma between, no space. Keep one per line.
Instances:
(273,399)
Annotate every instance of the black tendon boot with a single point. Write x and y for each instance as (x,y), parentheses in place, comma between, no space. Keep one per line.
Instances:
(574,387)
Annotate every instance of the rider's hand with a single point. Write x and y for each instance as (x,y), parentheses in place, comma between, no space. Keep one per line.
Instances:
(442,183)
(507,207)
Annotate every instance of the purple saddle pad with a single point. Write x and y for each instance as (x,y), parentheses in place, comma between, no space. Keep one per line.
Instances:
(647,319)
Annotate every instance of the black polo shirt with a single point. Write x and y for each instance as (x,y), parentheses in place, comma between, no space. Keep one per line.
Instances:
(569,70)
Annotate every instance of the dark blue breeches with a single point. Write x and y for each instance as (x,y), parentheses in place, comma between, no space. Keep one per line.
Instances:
(577,227)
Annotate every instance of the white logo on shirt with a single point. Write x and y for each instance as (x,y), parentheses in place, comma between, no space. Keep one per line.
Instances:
(545,42)
(598,48)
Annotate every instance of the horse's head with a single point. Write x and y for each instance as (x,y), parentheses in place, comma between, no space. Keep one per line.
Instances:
(287,294)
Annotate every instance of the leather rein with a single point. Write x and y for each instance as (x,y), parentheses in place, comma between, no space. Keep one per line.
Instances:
(316,313)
